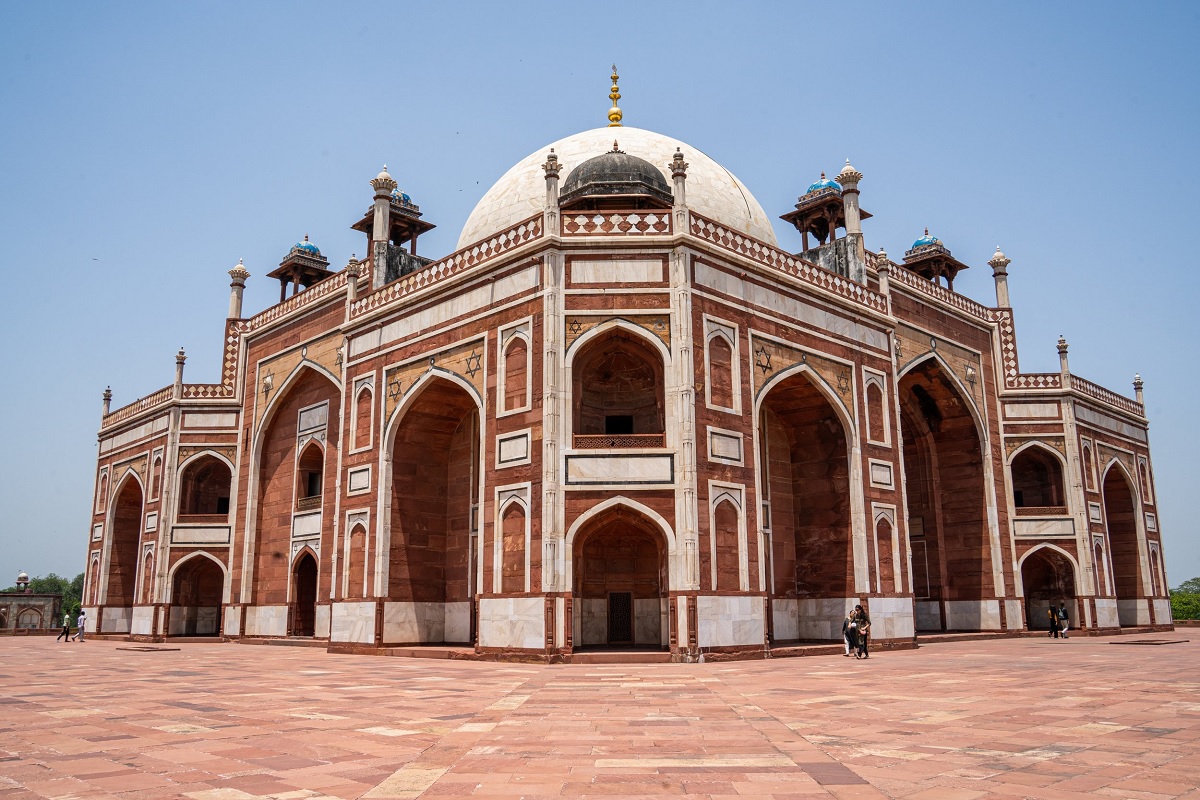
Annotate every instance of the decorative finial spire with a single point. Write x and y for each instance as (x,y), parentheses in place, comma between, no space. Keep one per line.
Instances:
(614,113)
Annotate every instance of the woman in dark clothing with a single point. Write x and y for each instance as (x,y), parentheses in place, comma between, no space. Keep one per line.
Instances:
(863,625)
(1054,628)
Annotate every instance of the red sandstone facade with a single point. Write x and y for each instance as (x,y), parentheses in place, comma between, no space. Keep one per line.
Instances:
(622,421)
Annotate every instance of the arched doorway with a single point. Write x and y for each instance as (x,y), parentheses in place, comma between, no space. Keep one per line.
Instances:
(620,574)
(204,489)
(804,475)
(1037,481)
(123,557)
(1049,579)
(303,609)
(1119,511)
(435,477)
(196,595)
(944,488)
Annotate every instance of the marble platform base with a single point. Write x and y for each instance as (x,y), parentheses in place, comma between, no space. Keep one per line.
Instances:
(512,623)
(730,621)
(352,622)
(143,621)
(426,622)
(206,618)
(1106,613)
(233,620)
(117,620)
(891,618)
(810,618)
(1162,611)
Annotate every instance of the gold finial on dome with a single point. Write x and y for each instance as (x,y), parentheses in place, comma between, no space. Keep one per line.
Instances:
(614,113)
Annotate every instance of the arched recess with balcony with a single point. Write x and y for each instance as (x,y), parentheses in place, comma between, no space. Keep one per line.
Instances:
(125,529)
(1125,547)
(952,569)
(294,437)
(1037,481)
(432,477)
(805,441)
(205,484)
(618,388)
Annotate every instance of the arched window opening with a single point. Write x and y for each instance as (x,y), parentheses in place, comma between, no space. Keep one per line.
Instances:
(362,419)
(1037,482)
(720,378)
(155,477)
(102,494)
(725,529)
(356,579)
(876,430)
(310,468)
(512,543)
(1156,574)
(204,488)
(1147,492)
(618,394)
(516,372)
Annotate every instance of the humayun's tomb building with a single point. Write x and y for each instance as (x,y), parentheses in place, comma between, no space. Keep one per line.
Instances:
(620,415)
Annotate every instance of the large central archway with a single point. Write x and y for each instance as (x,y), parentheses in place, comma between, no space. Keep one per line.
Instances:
(1120,519)
(621,581)
(126,529)
(434,495)
(944,487)
(805,482)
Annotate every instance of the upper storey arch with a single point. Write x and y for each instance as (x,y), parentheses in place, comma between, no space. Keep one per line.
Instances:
(712,191)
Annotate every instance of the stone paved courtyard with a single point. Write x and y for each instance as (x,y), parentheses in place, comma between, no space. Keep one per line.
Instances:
(1014,718)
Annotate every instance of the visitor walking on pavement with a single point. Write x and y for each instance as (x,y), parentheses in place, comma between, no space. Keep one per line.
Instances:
(863,624)
(82,619)
(849,634)
(1052,614)
(1064,619)
(65,635)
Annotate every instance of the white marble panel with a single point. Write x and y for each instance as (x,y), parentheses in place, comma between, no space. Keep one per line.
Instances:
(97,532)
(724,446)
(352,622)
(512,448)
(623,271)
(1162,611)
(785,619)
(306,525)
(313,418)
(458,622)
(512,622)
(143,621)
(200,534)
(233,619)
(359,479)
(726,621)
(152,521)
(117,620)
(213,420)
(1085,414)
(1043,527)
(647,621)
(156,425)
(1031,410)
(89,618)
(614,469)
(1107,615)
(821,617)
(973,615)
(1013,616)
(1133,612)
(208,620)
(1095,513)
(891,618)
(929,615)
(592,621)
(468,302)
(881,474)
(788,307)
(321,622)
(414,623)
(266,620)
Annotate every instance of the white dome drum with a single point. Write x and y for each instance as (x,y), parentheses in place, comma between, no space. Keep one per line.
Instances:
(712,190)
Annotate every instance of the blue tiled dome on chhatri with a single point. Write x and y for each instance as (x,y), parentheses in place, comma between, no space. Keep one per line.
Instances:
(400,196)
(824,183)
(307,247)
(926,240)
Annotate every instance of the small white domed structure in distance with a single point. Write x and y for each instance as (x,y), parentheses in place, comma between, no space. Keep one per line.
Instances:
(712,191)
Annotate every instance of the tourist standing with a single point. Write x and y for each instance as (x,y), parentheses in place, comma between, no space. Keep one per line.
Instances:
(1052,614)
(82,619)
(863,624)
(849,634)
(1064,619)
(65,635)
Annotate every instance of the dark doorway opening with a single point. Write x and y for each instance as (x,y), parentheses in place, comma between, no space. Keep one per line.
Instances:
(620,618)
(304,607)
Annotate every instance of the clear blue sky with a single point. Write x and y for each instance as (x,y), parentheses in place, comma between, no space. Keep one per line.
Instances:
(146,147)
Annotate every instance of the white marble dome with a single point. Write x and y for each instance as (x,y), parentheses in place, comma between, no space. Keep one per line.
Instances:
(712,190)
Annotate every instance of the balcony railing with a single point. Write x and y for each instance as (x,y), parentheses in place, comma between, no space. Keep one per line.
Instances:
(203,519)
(606,441)
(1042,511)
(308,503)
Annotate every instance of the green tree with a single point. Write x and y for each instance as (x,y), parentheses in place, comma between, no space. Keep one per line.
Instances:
(1185,600)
